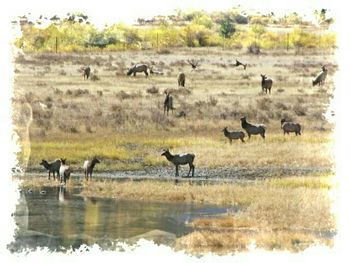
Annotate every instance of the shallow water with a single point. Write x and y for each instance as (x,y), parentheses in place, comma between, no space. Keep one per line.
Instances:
(59,219)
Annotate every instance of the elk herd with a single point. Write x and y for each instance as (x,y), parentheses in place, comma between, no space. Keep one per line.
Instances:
(63,171)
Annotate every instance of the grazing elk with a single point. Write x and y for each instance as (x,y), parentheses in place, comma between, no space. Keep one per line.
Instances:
(266,83)
(321,77)
(240,64)
(89,167)
(253,129)
(233,135)
(181,79)
(180,159)
(194,63)
(168,103)
(138,68)
(86,72)
(288,127)
(53,167)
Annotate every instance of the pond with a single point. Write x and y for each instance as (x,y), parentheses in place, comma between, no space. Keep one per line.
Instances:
(60,219)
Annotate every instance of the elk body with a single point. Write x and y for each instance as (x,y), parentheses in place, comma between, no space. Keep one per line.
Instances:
(89,167)
(288,127)
(233,135)
(53,167)
(137,69)
(321,77)
(86,72)
(238,63)
(180,159)
(181,79)
(266,83)
(253,129)
(168,103)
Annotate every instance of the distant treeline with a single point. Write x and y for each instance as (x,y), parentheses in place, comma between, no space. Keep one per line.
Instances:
(195,29)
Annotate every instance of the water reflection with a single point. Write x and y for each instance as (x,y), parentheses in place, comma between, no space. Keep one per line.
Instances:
(60,218)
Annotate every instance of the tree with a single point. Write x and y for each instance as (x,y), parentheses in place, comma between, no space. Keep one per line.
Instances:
(227,28)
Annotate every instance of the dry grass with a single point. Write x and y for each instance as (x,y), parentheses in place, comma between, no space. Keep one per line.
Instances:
(87,113)
(200,242)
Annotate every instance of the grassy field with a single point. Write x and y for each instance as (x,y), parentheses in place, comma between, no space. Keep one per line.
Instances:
(120,119)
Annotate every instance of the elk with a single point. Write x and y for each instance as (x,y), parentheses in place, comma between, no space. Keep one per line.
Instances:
(89,167)
(168,103)
(65,171)
(253,128)
(86,72)
(288,127)
(53,167)
(181,79)
(193,63)
(138,68)
(240,64)
(233,135)
(321,77)
(266,83)
(180,159)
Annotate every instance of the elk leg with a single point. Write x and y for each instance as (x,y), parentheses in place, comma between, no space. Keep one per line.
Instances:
(177,171)
(189,170)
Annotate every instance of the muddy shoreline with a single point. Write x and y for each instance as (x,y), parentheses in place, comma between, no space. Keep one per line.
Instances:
(233,173)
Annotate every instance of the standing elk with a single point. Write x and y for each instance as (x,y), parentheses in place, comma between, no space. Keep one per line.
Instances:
(168,103)
(266,83)
(288,127)
(53,167)
(233,135)
(180,159)
(321,77)
(253,129)
(181,79)
(86,72)
(89,167)
(65,171)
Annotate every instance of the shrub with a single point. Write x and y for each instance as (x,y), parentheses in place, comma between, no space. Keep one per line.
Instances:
(153,90)
(299,110)
(212,101)
(95,77)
